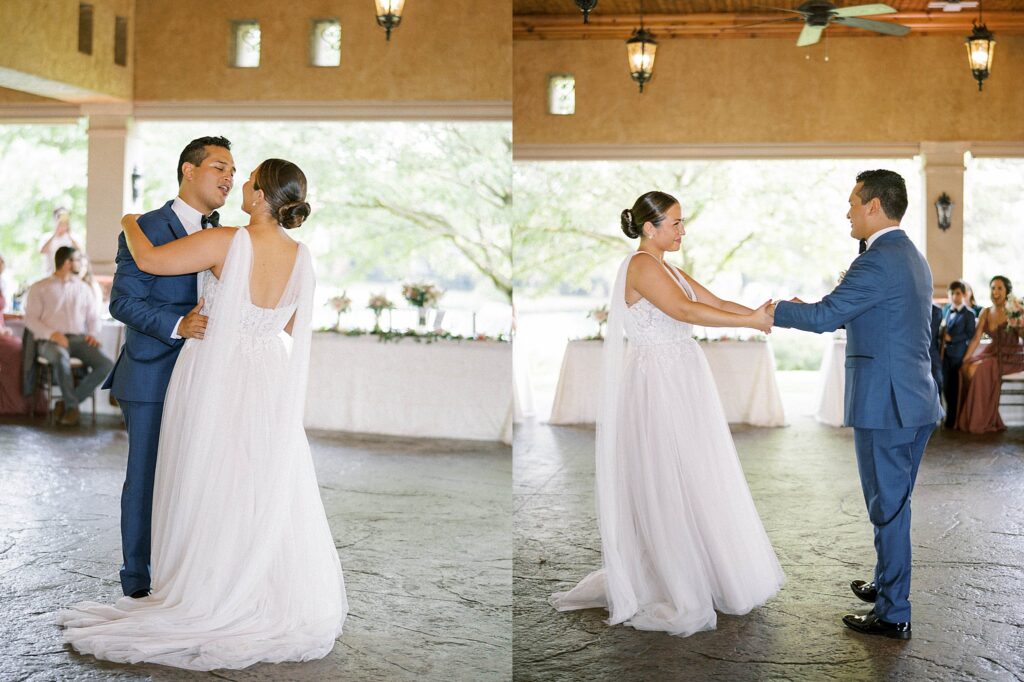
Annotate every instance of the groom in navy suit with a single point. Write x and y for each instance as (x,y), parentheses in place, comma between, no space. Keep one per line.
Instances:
(159,313)
(892,402)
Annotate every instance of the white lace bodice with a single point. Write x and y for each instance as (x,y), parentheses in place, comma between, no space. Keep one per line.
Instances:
(255,321)
(646,325)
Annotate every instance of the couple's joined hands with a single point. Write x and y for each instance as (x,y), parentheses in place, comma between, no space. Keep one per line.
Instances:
(764,316)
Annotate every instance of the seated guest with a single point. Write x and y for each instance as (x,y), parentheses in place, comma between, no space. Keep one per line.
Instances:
(61,312)
(981,374)
(971,303)
(11,401)
(958,330)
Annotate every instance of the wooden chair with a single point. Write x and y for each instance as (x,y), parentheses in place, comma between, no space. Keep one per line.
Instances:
(44,378)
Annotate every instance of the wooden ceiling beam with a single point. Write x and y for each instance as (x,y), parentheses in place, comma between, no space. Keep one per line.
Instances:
(724,25)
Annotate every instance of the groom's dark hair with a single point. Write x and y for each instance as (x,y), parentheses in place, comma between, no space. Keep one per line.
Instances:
(888,187)
(195,151)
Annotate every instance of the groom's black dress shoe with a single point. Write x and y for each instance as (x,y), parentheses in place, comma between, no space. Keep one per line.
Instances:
(139,594)
(864,591)
(870,624)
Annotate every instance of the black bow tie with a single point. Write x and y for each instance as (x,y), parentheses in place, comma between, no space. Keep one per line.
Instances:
(212,220)
(863,246)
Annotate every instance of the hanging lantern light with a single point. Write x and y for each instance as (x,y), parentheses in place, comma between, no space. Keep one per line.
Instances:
(640,49)
(981,45)
(389,15)
(586,6)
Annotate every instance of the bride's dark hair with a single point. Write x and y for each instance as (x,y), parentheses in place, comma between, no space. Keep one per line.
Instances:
(284,185)
(649,207)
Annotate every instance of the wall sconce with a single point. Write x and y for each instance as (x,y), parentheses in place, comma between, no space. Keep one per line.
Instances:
(389,15)
(136,184)
(944,211)
(586,6)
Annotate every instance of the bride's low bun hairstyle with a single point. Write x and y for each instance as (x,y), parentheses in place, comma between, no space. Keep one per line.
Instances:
(631,230)
(293,214)
(284,186)
(648,208)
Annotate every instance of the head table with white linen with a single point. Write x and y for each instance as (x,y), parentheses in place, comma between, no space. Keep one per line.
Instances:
(442,389)
(744,373)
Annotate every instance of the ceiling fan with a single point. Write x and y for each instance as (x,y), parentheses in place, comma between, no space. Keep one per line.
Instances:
(817,15)
(953,5)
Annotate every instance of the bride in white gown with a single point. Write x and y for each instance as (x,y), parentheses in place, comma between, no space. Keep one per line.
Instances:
(680,535)
(244,564)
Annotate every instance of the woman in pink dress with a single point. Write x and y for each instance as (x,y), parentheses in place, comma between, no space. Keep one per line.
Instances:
(981,374)
(11,401)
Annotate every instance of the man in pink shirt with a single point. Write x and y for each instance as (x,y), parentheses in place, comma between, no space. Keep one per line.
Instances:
(61,313)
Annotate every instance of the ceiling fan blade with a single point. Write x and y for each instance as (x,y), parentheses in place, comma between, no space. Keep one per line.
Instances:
(885,27)
(863,10)
(762,23)
(782,9)
(809,36)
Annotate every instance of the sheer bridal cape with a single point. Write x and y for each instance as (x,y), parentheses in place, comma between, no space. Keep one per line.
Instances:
(244,565)
(680,536)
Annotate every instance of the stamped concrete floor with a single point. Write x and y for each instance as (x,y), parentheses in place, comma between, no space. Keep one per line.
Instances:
(423,528)
(968,581)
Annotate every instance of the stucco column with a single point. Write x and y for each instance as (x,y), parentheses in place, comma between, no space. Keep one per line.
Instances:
(109,191)
(943,168)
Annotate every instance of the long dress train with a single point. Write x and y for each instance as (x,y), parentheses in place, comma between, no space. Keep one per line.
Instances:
(244,567)
(680,534)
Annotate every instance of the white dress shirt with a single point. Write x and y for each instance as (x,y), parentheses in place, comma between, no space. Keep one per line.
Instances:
(192,221)
(60,305)
(886,230)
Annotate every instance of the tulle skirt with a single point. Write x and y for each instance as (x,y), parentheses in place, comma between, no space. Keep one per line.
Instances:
(688,537)
(244,567)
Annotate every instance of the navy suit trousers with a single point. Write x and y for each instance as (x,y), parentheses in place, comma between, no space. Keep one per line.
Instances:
(143,422)
(888,460)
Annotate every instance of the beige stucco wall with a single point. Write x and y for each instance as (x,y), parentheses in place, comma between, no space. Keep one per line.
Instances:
(444,50)
(39,51)
(732,91)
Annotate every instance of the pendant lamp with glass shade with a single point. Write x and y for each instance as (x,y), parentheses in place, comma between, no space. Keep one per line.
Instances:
(981,45)
(389,15)
(640,50)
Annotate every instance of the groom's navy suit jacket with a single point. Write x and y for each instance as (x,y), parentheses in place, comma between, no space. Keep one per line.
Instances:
(885,301)
(149,306)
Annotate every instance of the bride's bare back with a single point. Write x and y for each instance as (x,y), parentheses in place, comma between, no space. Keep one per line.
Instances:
(273,260)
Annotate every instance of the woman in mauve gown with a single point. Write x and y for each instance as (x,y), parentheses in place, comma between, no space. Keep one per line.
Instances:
(981,374)
(11,400)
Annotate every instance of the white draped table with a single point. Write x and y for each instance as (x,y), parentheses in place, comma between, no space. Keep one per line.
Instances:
(832,380)
(444,389)
(744,373)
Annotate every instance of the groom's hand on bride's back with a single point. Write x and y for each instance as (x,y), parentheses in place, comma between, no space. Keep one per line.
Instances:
(193,325)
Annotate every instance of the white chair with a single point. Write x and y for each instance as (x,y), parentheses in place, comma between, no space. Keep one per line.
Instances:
(45,375)
(1013,389)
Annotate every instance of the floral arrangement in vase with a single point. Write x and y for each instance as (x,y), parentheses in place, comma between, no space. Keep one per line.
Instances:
(339,304)
(378,303)
(422,295)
